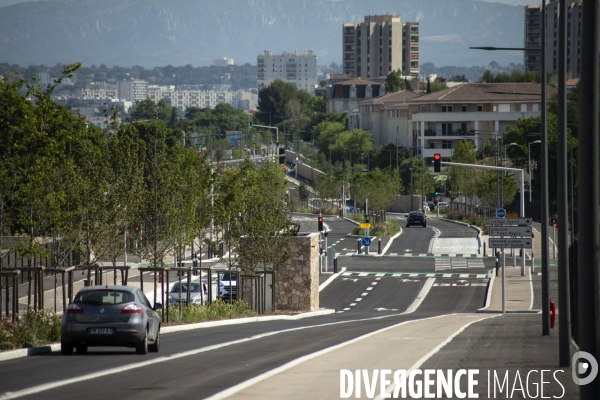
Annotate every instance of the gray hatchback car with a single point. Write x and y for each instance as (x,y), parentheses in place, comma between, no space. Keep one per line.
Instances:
(110,316)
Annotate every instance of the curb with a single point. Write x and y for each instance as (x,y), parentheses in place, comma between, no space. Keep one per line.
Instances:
(463,223)
(34,351)
(330,279)
(481,311)
(351,220)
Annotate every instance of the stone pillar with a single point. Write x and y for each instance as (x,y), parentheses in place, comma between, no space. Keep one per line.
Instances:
(297,284)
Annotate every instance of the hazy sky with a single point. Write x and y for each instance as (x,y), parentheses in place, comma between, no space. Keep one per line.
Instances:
(512,2)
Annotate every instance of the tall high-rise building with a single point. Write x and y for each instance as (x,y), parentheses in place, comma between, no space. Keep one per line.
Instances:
(223,62)
(294,68)
(533,32)
(379,45)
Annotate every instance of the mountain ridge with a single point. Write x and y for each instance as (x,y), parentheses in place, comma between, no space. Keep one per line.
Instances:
(180,32)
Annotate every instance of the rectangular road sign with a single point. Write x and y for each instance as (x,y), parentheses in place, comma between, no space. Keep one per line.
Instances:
(525,231)
(510,221)
(512,215)
(365,226)
(514,243)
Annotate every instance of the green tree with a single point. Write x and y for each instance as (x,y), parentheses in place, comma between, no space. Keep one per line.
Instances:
(462,178)
(395,82)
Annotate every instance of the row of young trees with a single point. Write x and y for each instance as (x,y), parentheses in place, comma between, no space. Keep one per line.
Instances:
(61,178)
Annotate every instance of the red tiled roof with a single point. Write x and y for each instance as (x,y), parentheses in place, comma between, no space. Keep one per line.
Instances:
(486,92)
(572,82)
(396,97)
(358,81)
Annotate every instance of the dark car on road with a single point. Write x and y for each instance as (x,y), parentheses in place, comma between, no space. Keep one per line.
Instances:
(110,316)
(416,218)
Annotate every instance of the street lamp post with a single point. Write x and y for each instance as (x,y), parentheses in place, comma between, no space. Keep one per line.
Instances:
(544,164)
(529,164)
(411,190)
(502,180)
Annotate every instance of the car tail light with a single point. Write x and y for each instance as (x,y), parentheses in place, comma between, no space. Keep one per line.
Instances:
(74,309)
(132,309)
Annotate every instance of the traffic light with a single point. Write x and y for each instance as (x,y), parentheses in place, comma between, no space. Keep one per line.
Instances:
(137,229)
(320,224)
(367,219)
(437,162)
(437,191)
(250,125)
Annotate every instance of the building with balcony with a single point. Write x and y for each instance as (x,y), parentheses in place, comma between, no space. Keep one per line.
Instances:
(476,112)
(379,45)
(533,37)
(345,95)
(297,69)
(184,99)
(386,117)
(223,62)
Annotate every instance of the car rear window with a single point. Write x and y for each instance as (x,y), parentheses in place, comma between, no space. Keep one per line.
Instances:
(101,297)
(184,287)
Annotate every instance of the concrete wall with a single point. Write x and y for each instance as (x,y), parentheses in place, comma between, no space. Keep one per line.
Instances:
(402,204)
(304,171)
(297,284)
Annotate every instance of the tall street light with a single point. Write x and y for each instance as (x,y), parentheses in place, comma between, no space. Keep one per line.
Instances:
(529,164)
(502,180)
(544,162)
(411,190)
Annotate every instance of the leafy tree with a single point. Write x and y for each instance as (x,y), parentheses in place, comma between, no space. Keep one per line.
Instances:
(274,98)
(485,188)
(461,178)
(395,82)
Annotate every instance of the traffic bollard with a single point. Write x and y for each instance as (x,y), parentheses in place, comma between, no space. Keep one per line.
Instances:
(378,246)
(484,253)
(221,249)
(496,264)
(335,265)
(359,248)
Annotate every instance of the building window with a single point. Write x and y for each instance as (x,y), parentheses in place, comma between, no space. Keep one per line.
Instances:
(535,107)
(446,144)
(446,108)
(480,108)
(503,107)
(464,108)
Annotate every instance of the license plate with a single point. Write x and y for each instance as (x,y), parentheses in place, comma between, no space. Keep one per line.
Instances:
(102,331)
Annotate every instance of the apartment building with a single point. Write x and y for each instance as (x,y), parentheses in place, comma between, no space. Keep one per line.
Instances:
(345,95)
(379,45)
(184,99)
(386,117)
(136,90)
(476,112)
(223,62)
(533,39)
(99,94)
(410,49)
(297,69)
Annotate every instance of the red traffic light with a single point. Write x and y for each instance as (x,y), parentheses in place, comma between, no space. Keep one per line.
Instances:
(137,228)
(437,162)
(320,225)
(437,157)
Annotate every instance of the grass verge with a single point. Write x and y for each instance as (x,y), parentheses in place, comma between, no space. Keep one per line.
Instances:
(470,219)
(384,229)
(211,312)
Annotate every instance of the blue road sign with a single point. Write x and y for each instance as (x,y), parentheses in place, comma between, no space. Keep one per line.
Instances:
(366,241)
(351,210)
(501,213)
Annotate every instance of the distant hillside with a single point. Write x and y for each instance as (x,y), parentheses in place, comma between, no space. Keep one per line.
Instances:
(180,32)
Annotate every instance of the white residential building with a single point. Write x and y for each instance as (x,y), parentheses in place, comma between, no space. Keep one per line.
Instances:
(297,69)
(476,112)
(223,62)
(136,90)
(184,99)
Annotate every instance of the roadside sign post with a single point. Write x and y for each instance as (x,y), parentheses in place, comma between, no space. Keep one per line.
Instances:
(514,233)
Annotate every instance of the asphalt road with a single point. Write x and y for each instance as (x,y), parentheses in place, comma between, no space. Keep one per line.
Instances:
(373,293)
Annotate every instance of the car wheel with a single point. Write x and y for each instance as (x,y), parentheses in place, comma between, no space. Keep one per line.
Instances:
(424,225)
(141,348)
(81,348)
(154,347)
(66,349)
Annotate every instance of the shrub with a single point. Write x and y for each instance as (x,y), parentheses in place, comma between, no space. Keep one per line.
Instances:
(470,219)
(216,311)
(34,328)
(383,229)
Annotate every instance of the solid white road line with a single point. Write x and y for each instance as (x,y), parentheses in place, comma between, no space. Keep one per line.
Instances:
(421,296)
(427,356)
